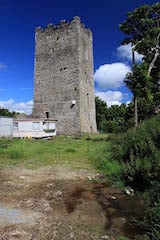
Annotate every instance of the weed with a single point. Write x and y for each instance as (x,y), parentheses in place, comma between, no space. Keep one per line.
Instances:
(71,150)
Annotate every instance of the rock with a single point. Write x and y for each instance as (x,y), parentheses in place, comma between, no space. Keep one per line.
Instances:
(55,233)
(113,197)
(129,191)
(105,237)
(50,185)
(89,178)
(57,195)
(71,235)
(18,235)
(22,177)
(100,176)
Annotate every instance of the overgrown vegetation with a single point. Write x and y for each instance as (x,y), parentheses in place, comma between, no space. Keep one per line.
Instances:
(133,159)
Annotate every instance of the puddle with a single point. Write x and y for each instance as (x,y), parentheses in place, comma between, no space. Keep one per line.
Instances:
(13,216)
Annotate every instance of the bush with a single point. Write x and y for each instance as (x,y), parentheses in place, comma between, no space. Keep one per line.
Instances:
(134,159)
(151,223)
(139,150)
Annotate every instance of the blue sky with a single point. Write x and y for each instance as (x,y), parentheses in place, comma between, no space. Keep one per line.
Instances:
(18,19)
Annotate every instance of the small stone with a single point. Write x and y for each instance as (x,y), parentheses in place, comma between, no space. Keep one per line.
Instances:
(58,194)
(50,185)
(71,235)
(129,191)
(105,237)
(55,233)
(22,177)
(113,197)
(89,178)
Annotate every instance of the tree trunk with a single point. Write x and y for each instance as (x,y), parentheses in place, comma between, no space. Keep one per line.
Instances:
(135,111)
(135,97)
(155,56)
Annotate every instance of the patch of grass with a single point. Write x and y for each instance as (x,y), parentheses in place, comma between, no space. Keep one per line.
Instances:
(71,150)
(101,159)
(123,238)
(75,151)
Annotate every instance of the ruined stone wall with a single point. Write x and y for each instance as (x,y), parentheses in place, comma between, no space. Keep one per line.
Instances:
(64,76)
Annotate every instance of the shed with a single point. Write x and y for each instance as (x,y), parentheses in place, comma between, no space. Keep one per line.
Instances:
(35,128)
(6,126)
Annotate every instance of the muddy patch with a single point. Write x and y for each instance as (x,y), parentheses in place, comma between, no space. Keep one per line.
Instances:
(121,211)
(60,203)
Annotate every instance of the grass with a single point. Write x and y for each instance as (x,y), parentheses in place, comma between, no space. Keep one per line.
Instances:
(33,154)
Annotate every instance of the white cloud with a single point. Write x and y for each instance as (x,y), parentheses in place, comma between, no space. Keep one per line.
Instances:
(22,107)
(125,52)
(2,65)
(111,97)
(111,75)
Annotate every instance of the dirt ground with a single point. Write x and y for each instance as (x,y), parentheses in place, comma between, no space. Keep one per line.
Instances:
(61,203)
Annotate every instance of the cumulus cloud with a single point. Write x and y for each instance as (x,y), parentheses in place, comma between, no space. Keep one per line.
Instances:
(2,66)
(22,107)
(125,52)
(109,76)
(110,97)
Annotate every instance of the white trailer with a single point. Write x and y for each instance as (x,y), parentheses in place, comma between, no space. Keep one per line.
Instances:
(6,126)
(34,128)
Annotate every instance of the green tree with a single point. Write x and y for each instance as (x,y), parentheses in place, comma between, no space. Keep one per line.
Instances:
(143,29)
(101,108)
(5,112)
(113,119)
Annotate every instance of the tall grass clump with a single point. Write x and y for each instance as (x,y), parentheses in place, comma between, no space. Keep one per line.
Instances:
(15,150)
(101,158)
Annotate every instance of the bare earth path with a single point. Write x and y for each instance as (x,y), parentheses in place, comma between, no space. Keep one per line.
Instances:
(50,203)
(58,203)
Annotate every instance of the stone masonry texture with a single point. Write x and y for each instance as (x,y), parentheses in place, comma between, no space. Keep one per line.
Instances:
(63,77)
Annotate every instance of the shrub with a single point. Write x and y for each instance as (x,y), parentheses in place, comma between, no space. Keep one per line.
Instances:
(151,223)
(139,150)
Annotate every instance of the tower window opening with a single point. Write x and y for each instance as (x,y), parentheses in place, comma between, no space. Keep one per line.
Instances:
(47,114)
(88,99)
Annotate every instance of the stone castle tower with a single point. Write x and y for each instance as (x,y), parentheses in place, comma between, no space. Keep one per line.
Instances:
(63,78)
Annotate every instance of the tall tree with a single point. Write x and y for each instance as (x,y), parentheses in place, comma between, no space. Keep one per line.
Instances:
(143,29)
(101,109)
